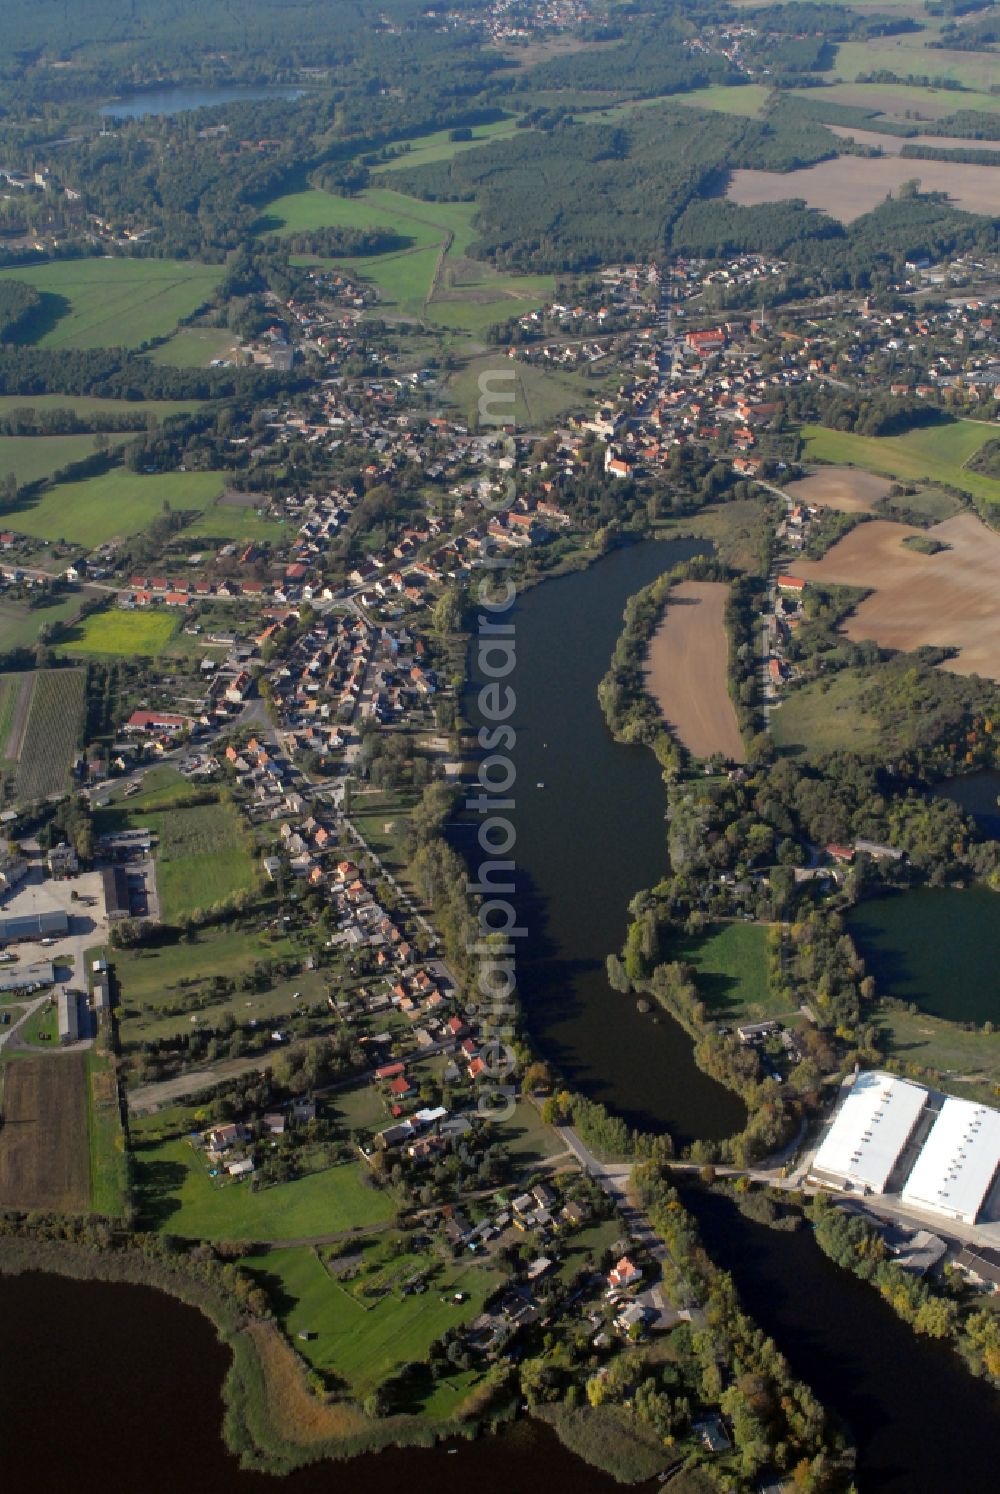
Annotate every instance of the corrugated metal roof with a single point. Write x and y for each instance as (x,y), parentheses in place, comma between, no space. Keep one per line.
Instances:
(870,1131)
(957,1162)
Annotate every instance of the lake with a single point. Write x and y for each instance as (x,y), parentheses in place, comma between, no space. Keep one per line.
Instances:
(183,100)
(977,794)
(587,841)
(137,1379)
(936,946)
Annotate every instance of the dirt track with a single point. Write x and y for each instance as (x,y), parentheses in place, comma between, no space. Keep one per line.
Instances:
(951,599)
(686,669)
(44,1148)
(846,489)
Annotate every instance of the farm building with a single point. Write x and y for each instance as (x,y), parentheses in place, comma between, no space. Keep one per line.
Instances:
(869,1133)
(33,926)
(23,977)
(156,721)
(68,1006)
(958,1163)
(116,898)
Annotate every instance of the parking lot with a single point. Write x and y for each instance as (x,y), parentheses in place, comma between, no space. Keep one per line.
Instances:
(87,923)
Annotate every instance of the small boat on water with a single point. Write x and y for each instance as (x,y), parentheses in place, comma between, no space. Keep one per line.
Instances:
(539,785)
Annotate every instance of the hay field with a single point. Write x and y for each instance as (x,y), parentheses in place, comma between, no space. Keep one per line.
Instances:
(686,671)
(846,489)
(44,1146)
(944,600)
(92,303)
(849,186)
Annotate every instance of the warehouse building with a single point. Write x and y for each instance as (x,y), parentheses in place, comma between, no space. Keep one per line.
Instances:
(33,926)
(68,1006)
(869,1134)
(116,895)
(958,1163)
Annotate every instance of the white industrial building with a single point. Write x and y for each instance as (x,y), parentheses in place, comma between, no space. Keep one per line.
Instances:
(958,1162)
(869,1133)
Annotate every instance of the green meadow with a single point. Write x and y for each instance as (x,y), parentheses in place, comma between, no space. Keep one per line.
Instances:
(426,149)
(121,634)
(175,1193)
(931,453)
(194,347)
(116,503)
(92,303)
(88,406)
(541,395)
(201,853)
(730,963)
(365,1344)
(32,458)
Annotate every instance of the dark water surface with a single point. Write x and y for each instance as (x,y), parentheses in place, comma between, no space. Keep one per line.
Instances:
(936,946)
(137,1379)
(978,795)
(587,841)
(182,100)
(921,1423)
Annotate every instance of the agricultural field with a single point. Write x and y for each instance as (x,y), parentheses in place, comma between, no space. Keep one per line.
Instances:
(93,303)
(731,971)
(947,600)
(824,716)
(908,55)
(846,489)
(174,1192)
(926,454)
(365,1344)
(687,671)
(848,186)
(44,1146)
(195,347)
(15,701)
(87,406)
(747,100)
(904,102)
(116,504)
(121,634)
(893,144)
(51,737)
(33,458)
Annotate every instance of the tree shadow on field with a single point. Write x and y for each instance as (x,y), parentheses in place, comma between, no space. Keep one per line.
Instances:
(157,1185)
(44,318)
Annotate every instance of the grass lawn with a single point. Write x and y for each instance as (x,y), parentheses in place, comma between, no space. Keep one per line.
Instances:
(42,1026)
(541,396)
(929,503)
(87,405)
(108,1169)
(115,504)
(201,854)
(731,970)
(125,634)
(92,303)
(933,453)
(148,976)
(195,347)
(174,1192)
(359,1109)
(366,1346)
(32,458)
(426,149)
(228,521)
(585,1248)
(824,716)
(968,1063)
(19,623)
(526,1136)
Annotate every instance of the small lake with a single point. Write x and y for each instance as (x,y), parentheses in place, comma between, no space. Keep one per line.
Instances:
(587,841)
(936,946)
(183,100)
(143,1410)
(977,794)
